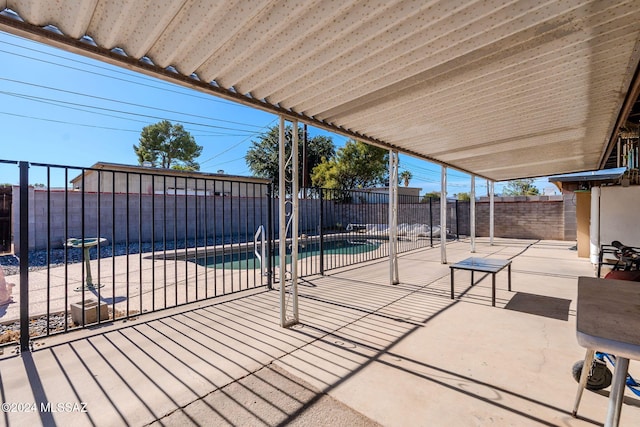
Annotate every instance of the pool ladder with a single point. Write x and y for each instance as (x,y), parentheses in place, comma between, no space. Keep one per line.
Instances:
(262,254)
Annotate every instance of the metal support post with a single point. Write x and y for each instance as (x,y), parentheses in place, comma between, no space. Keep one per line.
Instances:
(288,216)
(393,218)
(320,230)
(472,214)
(491,213)
(293,221)
(443,215)
(594,228)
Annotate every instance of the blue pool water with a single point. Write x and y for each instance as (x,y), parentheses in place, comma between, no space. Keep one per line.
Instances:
(247,260)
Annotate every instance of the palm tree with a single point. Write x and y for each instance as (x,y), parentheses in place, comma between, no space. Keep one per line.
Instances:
(405,176)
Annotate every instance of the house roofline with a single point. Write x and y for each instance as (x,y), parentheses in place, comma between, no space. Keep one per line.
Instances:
(148,170)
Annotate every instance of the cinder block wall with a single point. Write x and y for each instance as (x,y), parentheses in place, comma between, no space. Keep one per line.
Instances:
(524,217)
(56,216)
(52,218)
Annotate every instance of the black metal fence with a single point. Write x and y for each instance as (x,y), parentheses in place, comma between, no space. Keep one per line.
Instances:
(106,244)
(347,227)
(117,244)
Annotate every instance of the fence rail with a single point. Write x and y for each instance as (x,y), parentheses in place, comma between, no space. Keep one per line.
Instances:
(117,244)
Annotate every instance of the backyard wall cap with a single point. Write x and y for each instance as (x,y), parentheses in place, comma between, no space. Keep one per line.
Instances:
(512,199)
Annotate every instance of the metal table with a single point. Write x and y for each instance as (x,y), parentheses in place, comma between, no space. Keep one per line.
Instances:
(608,320)
(484,265)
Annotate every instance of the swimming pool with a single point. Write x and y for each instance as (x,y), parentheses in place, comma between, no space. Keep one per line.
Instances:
(241,260)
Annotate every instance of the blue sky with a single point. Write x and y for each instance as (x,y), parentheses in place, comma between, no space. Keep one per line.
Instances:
(61,108)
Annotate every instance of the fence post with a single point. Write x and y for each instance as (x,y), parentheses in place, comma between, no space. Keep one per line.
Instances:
(24,256)
(457,222)
(270,235)
(320,233)
(430,222)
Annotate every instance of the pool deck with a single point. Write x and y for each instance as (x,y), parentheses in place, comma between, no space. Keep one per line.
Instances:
(365,353)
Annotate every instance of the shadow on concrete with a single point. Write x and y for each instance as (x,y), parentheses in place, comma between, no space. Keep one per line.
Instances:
(540,305)
(215,363)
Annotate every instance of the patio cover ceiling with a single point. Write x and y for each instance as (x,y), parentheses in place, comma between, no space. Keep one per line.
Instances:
(500,89)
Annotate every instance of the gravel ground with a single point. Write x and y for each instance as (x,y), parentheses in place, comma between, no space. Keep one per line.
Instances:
(37,327)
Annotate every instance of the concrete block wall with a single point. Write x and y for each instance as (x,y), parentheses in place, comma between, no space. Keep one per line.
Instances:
(524,217)
(57,215)
(362,213)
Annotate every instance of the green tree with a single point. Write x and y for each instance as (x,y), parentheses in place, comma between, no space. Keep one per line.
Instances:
(520,187)
(405,177)
(263,158)
(431,195)
(463,196)
(356,165)
(168,145)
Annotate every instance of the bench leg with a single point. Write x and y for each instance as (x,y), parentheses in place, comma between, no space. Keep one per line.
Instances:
(493,290)
(452,283)
(586,367)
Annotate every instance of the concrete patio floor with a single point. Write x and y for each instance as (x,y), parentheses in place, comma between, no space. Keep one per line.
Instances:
(365,353)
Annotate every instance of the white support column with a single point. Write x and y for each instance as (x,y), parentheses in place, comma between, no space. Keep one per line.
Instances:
(491,212)
(393,218)
(443,215)
(295,192)
(594,226)
(472,213)
(288,218)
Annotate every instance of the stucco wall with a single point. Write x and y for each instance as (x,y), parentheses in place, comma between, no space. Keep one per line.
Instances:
(620,215)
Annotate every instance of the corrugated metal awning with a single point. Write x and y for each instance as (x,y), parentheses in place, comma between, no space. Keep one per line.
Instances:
(502,89)
(600,175)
